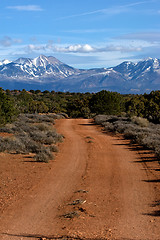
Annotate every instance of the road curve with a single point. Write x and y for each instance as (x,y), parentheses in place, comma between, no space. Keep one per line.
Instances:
(97,188)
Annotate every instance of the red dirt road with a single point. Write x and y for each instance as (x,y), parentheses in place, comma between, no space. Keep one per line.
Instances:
(98,187)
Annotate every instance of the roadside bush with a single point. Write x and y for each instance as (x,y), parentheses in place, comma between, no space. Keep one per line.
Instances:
(30,145)
(143,122)
(137,129)
(32,137)
(12,145)
(108,126)
(53,148)
(7,128)
(36,118)
(44,156)
(99,119)
(44,127)
(57,137)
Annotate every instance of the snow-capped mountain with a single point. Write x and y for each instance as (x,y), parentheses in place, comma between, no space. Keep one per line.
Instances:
(4,62)
(33,69)
(48,73)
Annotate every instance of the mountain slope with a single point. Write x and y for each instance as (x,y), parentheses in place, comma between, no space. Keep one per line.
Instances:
(50,73)
(34,69)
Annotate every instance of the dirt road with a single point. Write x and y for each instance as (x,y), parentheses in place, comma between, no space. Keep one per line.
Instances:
(98,187)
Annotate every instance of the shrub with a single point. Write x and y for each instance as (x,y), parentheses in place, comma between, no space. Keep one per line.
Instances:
(12,145)
(30,145)
(99,119)
(7,128)
(32,138)
(143,122)
(109,127)
(44,156)
(137,129)
(44,127)
(57,137)
(53,148)
(39,118)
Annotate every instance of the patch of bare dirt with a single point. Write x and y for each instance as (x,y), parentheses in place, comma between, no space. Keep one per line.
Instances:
(4,134)
(18,174)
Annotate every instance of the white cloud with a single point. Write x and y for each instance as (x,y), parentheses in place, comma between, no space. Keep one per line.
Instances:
(7,41)
(26,8)
(35,48)
(76,48)
(107,53)
(86,48)
(80,49)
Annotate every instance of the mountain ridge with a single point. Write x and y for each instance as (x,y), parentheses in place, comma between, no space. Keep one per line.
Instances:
(48,73)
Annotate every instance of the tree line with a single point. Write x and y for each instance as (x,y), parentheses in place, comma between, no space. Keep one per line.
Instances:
(86,105)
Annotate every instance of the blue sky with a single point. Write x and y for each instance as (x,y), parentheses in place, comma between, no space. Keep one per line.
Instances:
(83,34)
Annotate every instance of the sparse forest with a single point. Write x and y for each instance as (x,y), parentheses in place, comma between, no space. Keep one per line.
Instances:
(76,105)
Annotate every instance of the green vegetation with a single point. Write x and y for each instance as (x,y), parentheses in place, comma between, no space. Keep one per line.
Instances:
(8,108)
(106,102)
(29,117)
(77,105)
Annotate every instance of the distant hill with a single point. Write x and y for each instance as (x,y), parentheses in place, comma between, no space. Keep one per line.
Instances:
(48,73)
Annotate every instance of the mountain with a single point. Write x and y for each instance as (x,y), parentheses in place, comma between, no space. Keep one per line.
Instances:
(48,73)
(5,61)
(36,69)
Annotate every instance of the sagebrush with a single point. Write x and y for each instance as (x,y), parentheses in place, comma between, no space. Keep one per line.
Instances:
(139,130)
(32,133)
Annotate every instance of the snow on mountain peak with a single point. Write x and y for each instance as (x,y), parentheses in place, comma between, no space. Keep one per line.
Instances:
(39,67)
(60,76)
(156,63)
(24,61)
(5,61)
(40,61)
